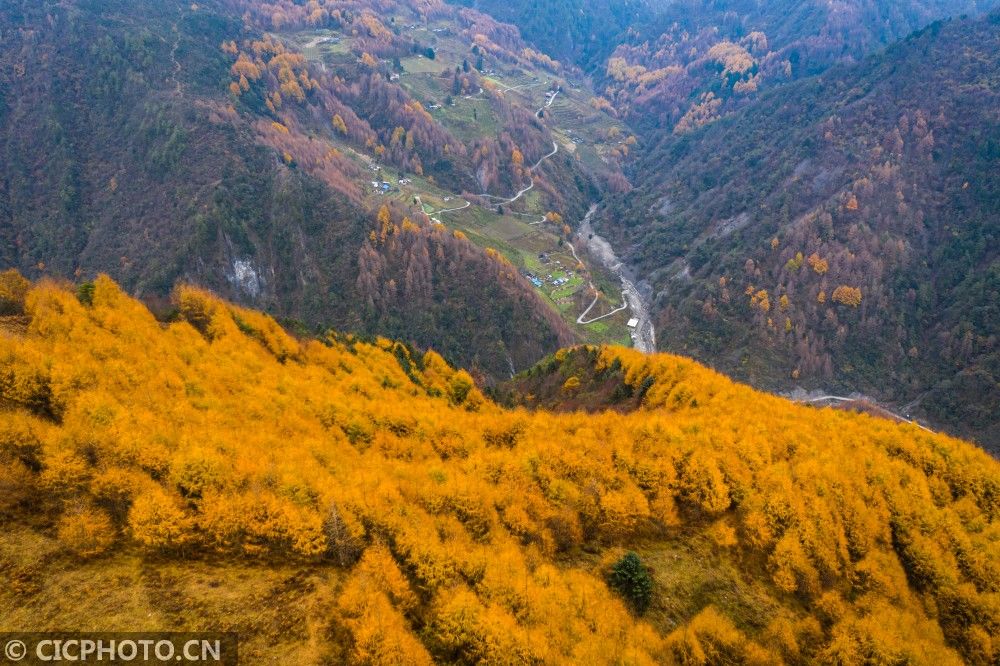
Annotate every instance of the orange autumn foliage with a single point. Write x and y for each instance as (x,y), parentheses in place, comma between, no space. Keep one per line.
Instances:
(459,524)
(847,296)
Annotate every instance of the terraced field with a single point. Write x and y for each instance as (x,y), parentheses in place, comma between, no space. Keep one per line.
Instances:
(514,229)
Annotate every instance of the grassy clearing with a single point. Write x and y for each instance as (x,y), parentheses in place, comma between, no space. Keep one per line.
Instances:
(421,65)
(280,610)
(276,608)
(319,44)
(689,573)
(467,117)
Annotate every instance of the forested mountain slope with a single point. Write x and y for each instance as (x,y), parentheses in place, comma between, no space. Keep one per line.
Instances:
(581,32)
(695,61)
(339,501)
(841,232)
(683,63)
(167,140)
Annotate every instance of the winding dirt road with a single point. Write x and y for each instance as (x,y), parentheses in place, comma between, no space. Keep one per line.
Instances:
(552,98)
(582,319)
(840,398)
(531,182)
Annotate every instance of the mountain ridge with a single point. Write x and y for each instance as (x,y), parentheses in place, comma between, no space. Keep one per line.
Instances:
(407,514)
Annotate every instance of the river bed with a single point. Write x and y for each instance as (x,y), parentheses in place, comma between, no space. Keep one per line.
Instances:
(644,335)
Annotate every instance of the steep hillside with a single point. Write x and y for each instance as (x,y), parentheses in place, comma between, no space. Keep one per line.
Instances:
(339,501)
(583,32)
(677,64)
(694,62)
(841,232)
(168,140)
